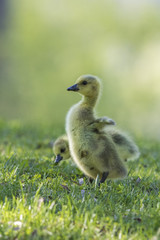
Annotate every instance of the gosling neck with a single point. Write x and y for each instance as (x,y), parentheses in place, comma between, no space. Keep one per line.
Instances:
(89,101)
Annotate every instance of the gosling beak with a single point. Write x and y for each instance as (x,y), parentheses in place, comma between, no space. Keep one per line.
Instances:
(58,158)
(73,88)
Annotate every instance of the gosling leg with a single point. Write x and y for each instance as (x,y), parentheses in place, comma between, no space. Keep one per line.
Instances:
(90,180)
(104,177)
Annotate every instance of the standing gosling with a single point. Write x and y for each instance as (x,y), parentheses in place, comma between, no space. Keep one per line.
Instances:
(91,148)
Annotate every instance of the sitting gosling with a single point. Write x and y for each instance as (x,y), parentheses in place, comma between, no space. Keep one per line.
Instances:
(61,148)
(92,149)
(124,145)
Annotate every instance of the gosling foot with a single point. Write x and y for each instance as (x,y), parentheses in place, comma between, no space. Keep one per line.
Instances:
(90,180)
(104,177)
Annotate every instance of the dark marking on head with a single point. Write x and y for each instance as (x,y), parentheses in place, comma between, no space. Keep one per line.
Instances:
(84,153)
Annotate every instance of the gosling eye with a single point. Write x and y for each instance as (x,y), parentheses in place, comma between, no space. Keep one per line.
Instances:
(84,82)
(62,150)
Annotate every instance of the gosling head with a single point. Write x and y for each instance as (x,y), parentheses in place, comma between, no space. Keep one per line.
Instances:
(87,85)
(61,149)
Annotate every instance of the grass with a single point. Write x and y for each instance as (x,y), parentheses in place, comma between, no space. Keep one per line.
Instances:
(39,200)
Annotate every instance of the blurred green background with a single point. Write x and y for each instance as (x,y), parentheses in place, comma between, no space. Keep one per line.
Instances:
(46,45)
